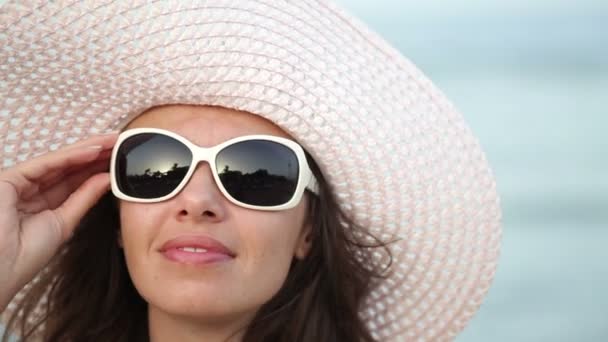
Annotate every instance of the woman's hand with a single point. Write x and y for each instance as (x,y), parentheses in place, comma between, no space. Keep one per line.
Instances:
(41,202)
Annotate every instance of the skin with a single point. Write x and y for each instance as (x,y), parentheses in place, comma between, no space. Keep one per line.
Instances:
(42,201)
(211,302)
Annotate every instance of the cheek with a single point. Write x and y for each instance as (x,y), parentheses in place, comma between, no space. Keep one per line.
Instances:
(135,221)
(138,226)
(269,246)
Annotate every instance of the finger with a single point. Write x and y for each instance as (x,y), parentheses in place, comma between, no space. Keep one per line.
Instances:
(100,163)
(26,176)
(28,185)
(54,194)
(59,192)
(79,202)
(99,139)
(43,164)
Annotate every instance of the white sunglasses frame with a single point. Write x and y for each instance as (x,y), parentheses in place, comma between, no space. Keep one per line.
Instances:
(306,180)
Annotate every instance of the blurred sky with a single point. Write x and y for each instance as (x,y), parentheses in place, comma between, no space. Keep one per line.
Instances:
(531,79)
(467,7)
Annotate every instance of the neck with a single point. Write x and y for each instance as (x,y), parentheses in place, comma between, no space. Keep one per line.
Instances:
(164,327)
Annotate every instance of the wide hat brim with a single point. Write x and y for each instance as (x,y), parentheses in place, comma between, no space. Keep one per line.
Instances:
(397,153)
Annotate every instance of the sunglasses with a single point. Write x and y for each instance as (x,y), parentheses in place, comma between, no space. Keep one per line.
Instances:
(262,172)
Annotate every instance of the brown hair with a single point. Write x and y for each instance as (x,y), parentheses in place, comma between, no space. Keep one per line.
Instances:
(91,296)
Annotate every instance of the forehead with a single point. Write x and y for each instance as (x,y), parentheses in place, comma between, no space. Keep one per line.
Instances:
(206,125)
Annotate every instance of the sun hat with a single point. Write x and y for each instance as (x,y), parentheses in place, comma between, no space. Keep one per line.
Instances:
(395,150)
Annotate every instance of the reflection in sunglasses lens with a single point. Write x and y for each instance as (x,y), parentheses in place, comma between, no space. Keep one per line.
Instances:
(258,172)
(151,165)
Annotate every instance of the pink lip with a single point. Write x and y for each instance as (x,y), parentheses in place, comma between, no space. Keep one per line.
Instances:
(215,250)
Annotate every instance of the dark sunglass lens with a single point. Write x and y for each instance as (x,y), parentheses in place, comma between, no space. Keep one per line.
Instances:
(151,165)
(259,172)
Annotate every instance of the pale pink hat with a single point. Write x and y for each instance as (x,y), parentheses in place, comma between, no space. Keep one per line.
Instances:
(396,152)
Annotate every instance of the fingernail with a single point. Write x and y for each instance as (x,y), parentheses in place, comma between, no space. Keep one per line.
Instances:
(95,147)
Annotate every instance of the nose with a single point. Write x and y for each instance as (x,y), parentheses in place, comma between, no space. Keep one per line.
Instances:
(200,199)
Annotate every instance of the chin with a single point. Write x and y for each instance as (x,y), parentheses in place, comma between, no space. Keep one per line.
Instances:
(198,303)
(202,311)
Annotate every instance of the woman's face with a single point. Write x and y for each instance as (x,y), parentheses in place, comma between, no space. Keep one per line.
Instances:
(261,244)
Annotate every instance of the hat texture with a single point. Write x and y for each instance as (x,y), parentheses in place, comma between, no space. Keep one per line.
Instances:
(396,152)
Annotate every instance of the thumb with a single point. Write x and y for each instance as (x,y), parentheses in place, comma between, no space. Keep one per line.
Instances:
(79,202)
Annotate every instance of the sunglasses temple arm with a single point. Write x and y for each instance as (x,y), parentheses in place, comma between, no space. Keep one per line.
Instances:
(313,185)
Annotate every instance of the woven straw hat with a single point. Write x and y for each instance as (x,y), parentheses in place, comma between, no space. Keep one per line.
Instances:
(396,152)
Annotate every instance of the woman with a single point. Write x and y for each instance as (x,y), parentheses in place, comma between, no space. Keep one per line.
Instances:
(387,230)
